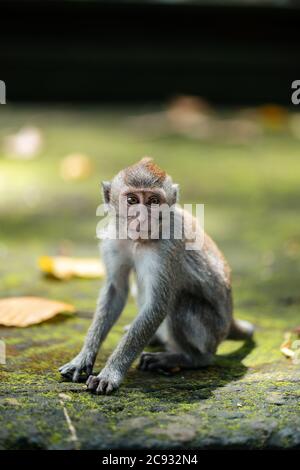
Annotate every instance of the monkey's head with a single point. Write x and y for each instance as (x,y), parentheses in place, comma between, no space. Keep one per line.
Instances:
(140,189)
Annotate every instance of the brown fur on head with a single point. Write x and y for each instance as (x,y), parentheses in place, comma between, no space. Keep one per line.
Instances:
(143,175)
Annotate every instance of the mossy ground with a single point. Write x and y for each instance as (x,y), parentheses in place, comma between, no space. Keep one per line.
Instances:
(251,396)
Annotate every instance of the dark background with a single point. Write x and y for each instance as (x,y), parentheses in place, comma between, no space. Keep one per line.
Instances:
(132,52)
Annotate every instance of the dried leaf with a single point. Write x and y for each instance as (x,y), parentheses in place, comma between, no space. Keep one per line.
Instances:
(285,347)
(287,351)
(291,346)
(24,311)
(63,267)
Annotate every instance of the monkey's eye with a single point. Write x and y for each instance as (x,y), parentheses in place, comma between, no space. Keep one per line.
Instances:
(153,200)
(132,199)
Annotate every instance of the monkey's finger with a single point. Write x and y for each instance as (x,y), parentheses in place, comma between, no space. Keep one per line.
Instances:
(142,365)
(102,386)
(76,375)
(90,377)
(105,387)
(67,372)
(149,354)
(92,383)
(145,360)
(110,388)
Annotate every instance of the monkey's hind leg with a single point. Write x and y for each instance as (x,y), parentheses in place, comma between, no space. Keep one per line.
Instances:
(172,361)
(192,338)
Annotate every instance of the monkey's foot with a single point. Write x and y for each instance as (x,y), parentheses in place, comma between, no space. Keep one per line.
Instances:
(77,370)
(162,362)
(104,383)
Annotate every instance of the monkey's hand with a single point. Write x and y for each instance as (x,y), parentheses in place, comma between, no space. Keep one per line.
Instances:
(106,382)
(79,368)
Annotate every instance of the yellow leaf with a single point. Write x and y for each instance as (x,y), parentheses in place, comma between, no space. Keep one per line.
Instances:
(287,351)
(25,311)
(290,347)
(63,267)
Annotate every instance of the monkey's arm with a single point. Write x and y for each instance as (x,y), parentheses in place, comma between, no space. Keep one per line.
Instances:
(132,344)
(111,302)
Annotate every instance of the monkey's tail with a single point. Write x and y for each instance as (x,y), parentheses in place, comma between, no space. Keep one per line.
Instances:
(240,329)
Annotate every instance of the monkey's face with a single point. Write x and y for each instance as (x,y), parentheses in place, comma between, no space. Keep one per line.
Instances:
(141,209)
(141,197)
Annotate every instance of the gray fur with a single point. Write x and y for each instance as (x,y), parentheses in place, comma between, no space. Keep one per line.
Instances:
(184,300)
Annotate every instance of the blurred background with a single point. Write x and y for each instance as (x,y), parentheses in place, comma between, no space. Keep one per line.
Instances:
(203,87)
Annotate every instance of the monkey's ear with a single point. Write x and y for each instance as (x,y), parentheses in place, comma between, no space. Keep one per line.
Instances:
(106,186)
(175,190)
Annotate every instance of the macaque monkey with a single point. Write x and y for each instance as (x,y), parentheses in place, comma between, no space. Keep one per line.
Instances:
(184,296)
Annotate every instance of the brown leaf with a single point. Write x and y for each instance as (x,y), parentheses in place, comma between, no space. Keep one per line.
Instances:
(24,311)
(63,267)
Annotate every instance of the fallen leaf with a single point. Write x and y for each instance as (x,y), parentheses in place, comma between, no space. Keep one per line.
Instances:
(285,347)
(291,346)
(75,166)
(25,311)
(63,267)
(287,351)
